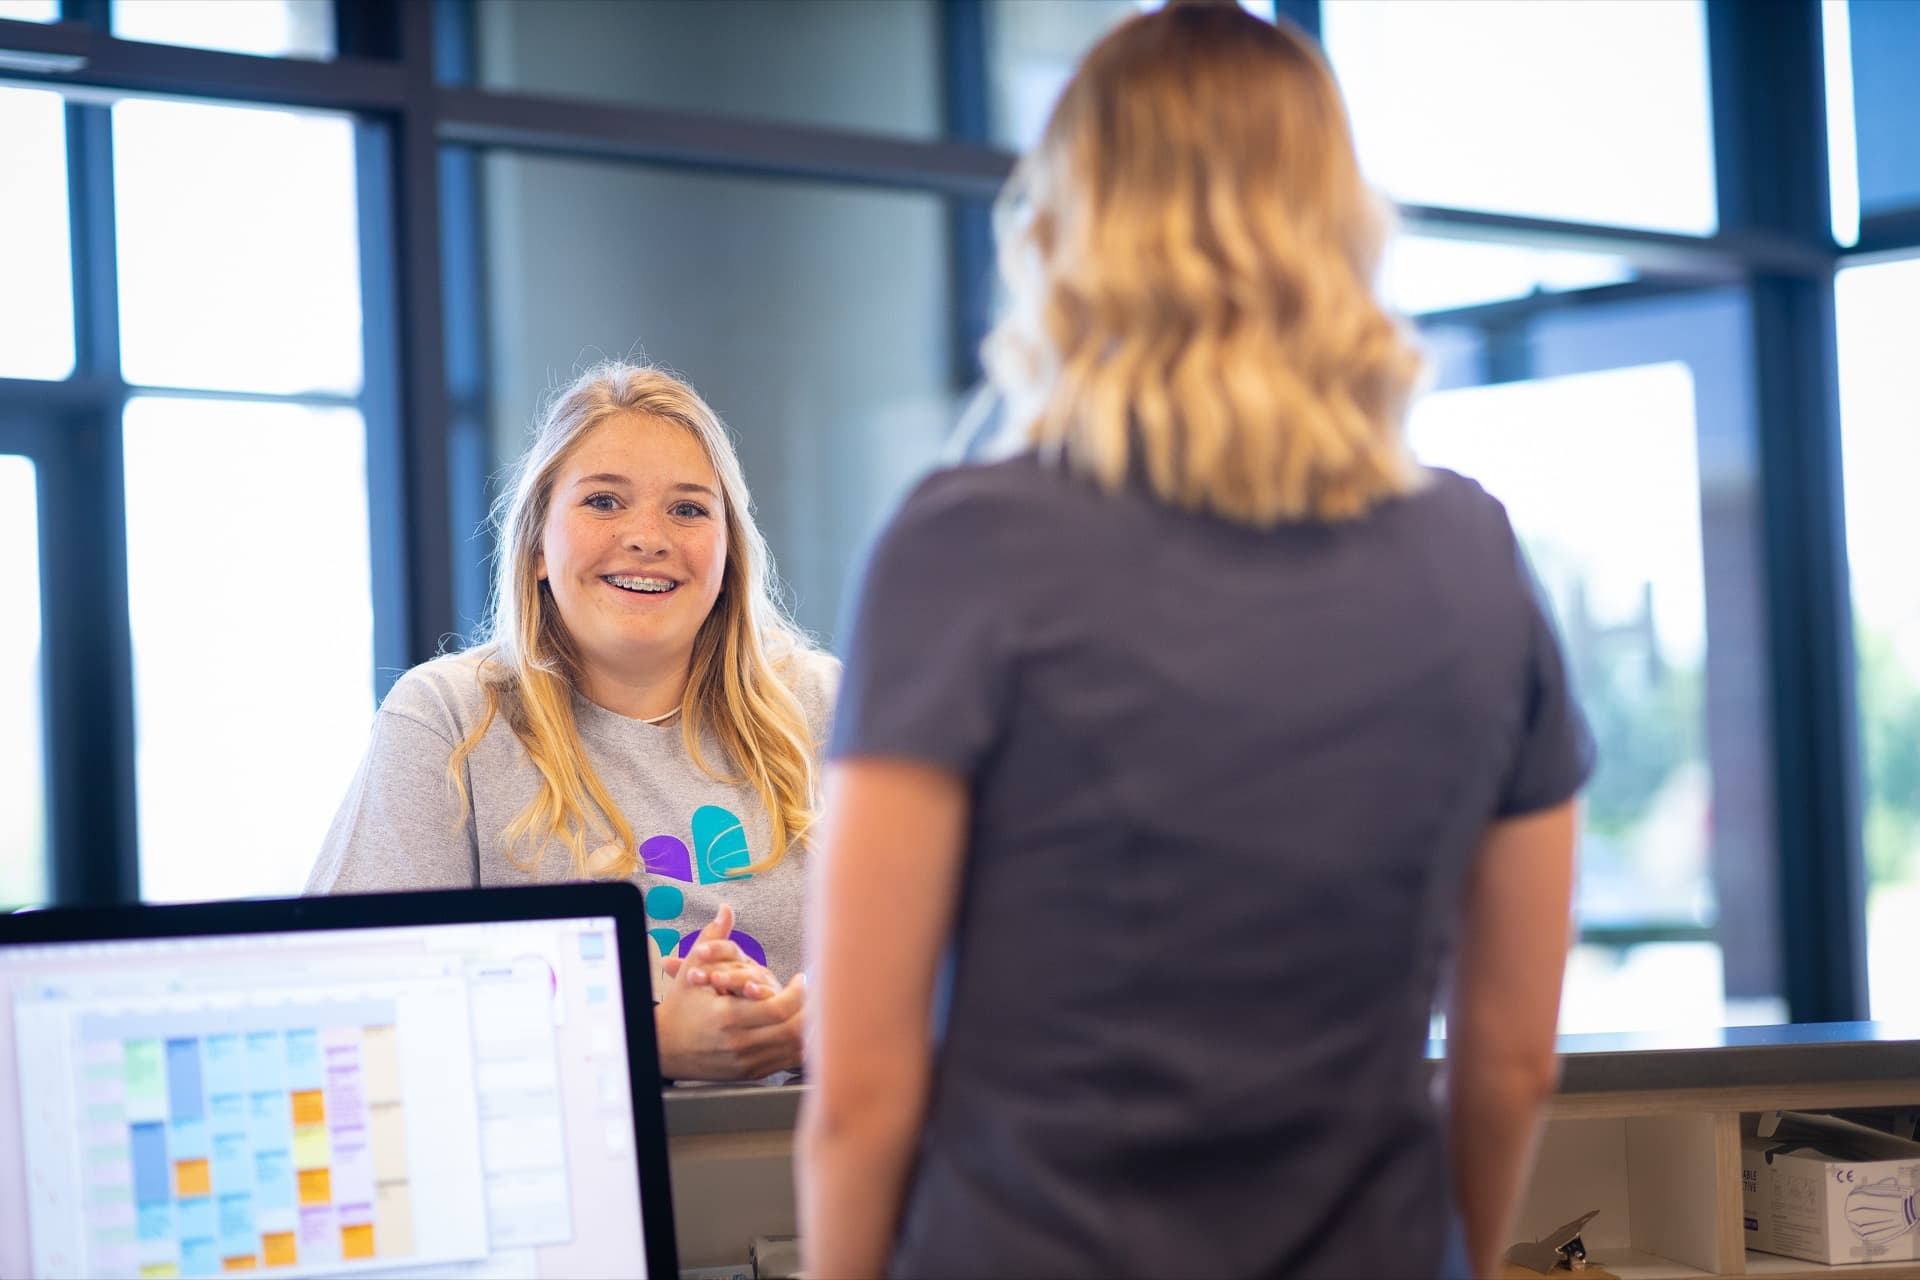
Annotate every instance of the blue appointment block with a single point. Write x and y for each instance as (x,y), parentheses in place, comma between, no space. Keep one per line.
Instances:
(152,1181)
(184,1087)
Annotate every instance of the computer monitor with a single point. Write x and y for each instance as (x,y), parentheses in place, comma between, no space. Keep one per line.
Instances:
(458,1084)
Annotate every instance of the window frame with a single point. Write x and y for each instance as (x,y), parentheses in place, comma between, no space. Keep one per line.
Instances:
(405,72)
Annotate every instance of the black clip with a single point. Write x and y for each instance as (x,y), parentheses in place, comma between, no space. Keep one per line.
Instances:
(1560,1247)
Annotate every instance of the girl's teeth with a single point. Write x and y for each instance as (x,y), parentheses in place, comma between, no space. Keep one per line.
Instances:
(652,586)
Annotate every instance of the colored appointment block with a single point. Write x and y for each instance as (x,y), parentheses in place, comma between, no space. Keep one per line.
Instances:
(316,1186)
(278,1249)
(357,1241)
(244,1262)
(309,1107)
(192,1178)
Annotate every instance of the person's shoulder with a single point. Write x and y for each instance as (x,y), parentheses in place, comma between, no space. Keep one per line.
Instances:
(998,487)
(968,504)
(447,694)
(813,676)
(1456,508)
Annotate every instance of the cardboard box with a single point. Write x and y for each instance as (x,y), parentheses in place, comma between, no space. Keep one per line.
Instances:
(1829,1191)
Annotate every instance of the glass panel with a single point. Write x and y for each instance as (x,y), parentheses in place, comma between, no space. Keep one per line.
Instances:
(23,810)
(1629,596)
(252,637)
(846,63)
(30,10)
(36,263)
(1522,108)
(1032,49)
(276,28)
(1426,273)
(1879,330)
(239,248)
(729,285)
(1843,167)
(1885,44)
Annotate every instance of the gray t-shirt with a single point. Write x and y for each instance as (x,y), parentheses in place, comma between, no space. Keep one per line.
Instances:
(1226,785)
(401,825)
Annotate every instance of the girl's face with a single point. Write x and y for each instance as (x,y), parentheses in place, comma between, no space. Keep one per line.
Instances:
(634,546)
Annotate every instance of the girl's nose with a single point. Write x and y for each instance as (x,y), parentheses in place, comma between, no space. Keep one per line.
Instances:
(645,535)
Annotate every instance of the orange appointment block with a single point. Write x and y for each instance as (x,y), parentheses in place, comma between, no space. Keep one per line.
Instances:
(316,1186)
(278,1249)
(192,1178)
(309,1107)
(357,1242)
(240,1262)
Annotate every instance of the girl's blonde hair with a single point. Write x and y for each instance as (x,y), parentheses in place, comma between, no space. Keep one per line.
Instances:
(1190,254)
(530,666)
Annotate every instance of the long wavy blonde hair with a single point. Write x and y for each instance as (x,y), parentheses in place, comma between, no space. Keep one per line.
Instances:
(1190,254)
(735,693)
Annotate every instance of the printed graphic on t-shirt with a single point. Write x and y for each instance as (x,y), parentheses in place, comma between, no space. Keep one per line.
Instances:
(719,854)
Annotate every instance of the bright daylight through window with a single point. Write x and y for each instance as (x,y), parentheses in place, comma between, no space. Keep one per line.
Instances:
(1879,323)
(1628,597)
(246,517)
(23,818)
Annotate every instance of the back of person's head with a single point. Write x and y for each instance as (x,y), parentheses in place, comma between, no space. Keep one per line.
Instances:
(734,693)
(1190,254)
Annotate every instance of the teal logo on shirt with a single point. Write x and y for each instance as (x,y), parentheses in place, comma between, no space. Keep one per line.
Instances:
(719,854)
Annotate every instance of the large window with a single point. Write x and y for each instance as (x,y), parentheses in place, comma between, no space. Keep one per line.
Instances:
(1615,127)
(270,356)
(1883,47)
(727,281)
(1618,438)
(237,276)
(1879,320)
(246,515)
(36,307)
(23,811)
(1425,274)
(275,28)
(253,636)
(846,63)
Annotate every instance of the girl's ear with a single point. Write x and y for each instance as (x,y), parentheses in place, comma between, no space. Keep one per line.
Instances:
(540,564)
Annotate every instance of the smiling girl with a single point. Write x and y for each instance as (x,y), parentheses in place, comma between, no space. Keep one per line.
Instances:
(640,708)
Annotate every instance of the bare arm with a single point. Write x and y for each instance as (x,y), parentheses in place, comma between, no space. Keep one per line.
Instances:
(881,912)
(1501,1065)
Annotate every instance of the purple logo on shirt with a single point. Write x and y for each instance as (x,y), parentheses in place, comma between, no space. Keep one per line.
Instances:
(719,853)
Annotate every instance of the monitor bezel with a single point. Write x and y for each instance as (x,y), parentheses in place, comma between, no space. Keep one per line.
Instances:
(618,900)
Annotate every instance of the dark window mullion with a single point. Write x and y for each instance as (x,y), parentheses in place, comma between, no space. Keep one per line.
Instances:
(1770,148)
(89,643)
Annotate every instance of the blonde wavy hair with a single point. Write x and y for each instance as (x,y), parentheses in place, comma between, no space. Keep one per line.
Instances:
(530,666)
(1190,254)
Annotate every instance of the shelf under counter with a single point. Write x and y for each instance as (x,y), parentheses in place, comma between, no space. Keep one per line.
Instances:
(694,1109)
(1643,1127)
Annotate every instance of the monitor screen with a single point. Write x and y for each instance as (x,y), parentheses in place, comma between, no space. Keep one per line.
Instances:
(429,1100)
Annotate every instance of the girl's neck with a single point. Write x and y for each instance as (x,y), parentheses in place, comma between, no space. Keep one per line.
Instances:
(636,695)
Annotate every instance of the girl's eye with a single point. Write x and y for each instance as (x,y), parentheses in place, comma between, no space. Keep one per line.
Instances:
(688,510)
(602,502)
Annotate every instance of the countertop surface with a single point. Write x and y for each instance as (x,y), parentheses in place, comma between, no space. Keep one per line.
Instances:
(1712,1057)
(1740,1057)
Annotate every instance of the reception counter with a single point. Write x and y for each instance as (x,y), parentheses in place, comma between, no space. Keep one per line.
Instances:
(1645,1128)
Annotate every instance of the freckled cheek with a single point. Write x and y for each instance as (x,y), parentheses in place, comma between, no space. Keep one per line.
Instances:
(713,558)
